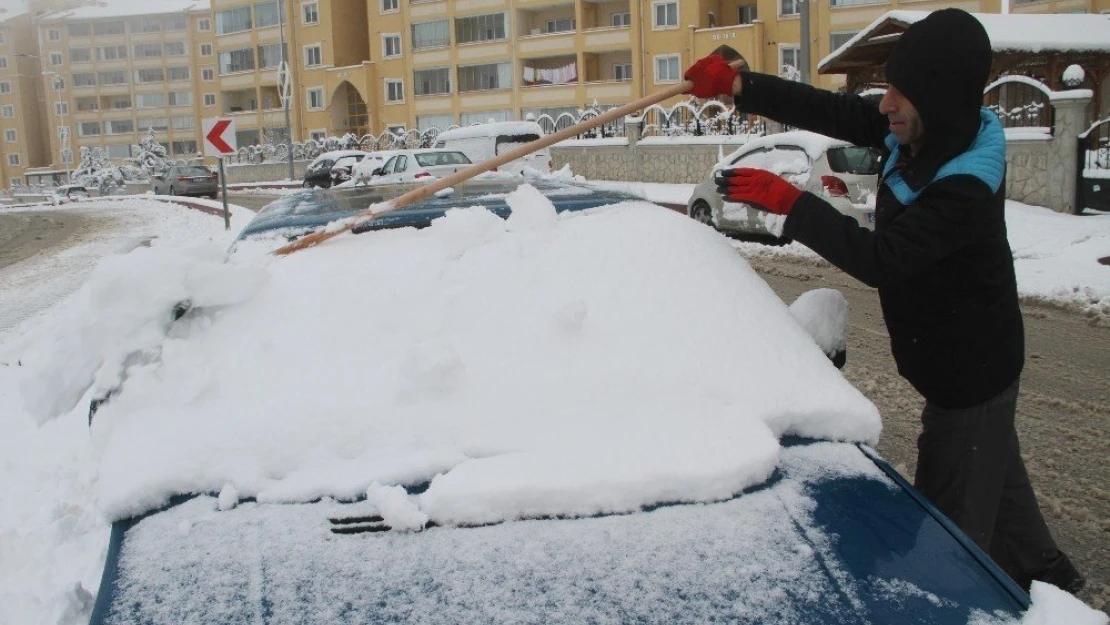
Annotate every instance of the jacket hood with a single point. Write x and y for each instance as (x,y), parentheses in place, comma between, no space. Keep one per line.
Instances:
(941,64)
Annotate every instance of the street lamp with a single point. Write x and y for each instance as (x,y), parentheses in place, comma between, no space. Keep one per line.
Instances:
(285,87)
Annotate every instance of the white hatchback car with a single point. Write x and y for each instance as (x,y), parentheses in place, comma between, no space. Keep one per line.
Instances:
(414,165)
(843,174)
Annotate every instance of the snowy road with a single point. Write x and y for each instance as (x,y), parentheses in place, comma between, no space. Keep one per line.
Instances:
(23,235)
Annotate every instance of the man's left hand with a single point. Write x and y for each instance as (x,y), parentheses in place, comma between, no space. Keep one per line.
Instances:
(757,186)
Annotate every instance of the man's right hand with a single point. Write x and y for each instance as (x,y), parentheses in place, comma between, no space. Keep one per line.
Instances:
(713,76)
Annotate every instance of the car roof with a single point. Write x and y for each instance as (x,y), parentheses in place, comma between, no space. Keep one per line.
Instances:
(335,154)
(491,130)
(835,538)
(814,144)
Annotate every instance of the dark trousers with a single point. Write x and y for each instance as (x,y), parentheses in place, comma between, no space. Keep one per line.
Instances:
(969,465)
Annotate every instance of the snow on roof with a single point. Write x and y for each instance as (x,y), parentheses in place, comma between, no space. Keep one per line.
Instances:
(1032,33)
(10,9)
(128,8)
(525,367)
(490,130)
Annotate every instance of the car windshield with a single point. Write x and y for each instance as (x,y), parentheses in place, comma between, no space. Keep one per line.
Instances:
(855,160)
(193,171)
(431,159)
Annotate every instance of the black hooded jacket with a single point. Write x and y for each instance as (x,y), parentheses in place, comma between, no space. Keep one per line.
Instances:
(939,255)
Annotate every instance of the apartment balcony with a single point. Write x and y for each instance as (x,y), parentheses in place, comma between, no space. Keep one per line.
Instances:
(547,43)
(607,38)
(239,101)
(744,38)
(550,80)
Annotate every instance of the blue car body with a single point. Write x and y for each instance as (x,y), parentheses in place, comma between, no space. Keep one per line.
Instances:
(863,549)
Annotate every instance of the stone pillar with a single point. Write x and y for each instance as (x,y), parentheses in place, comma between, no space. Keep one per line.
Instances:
(633,129)
(1071,116)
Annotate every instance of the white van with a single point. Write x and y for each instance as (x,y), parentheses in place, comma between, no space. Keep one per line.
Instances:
(484,141)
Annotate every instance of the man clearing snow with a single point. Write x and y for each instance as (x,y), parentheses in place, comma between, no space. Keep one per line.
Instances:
(939,258)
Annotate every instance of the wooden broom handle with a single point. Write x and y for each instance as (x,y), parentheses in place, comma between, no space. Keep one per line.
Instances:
(487,165)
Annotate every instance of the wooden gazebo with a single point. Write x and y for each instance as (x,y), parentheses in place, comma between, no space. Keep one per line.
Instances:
(1041,46)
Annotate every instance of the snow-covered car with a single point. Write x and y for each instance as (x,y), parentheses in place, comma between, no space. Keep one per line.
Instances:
(492,419)
(195,180)
(843,174)
(412,165)
(319,171)
(67,193)
(484,141)
(363,171)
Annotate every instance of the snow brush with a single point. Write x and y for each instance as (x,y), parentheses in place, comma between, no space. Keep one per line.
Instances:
(492,164)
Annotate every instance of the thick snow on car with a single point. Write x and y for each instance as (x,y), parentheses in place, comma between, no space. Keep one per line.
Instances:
(843,174)
(490,419)
(481,142)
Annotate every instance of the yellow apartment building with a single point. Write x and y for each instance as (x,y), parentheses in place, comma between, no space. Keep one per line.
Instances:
(110,75)
(22,137)
(96,76)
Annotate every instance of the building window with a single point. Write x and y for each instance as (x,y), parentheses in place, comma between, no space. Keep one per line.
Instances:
(55,58)
(789,62)
(145,51)
(111,53)
(840,38)
(177,48)
(53,34)
(184,148)
(270,56)
(111,78)
(183,122)
(13,160)
(268,13)
(667,68)
(76,55)
(3,62)
(846,3)
(204,25)
(489,27)
(79,30)
(118,126)
(389,6)
(489,76)
(101,29)
(318,135)
(311,13)
(747,13)
(560,25)
(788,7)
(432,81)
(86,129)
(15,182)
(664,15)
(149,75)
(313,56)
(316,98)
(234,61)
(482,117)
(146,25)
(394,91)
(150,100)
(208,74)
(181,98)
(7,110)
(233,21)
(391,45)
(59,83)
(176,23)
(5,86)
(206,49)
(121,102)
(622,71)
(61,108)
(3,37)
(622,19)
(9,136)
(431,35)
(210,99)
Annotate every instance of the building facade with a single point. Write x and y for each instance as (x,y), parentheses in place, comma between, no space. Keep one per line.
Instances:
(74,73)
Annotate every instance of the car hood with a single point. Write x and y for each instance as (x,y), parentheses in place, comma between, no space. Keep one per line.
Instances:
(834,538)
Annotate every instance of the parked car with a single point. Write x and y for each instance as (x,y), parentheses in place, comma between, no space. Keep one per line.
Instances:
(831,535)
(195,180)
(484,141)
(342,170)
(318,173)
(67,193)
(363,171)
(843,174)
(412,165)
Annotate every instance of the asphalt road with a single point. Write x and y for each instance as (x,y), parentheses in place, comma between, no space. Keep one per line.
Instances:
(23,235)
(1063,414)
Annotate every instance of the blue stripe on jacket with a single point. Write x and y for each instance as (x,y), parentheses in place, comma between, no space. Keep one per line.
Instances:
(985,160)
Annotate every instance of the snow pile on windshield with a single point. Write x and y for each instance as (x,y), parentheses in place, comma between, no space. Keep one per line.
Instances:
(542,365)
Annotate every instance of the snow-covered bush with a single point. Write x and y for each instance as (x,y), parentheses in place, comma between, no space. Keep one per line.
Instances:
(150,156)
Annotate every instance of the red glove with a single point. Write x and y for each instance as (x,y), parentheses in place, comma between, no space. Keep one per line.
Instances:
(767,191)
(712,76)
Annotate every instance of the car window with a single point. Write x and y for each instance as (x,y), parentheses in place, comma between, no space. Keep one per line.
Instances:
(388,167)
(429,159)
(855,160)
(401,164)
(193,171)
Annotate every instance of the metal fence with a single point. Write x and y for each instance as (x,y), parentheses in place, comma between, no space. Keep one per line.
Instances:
(1020,102)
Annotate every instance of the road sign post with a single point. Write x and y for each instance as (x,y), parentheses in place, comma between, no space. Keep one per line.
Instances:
(220,141)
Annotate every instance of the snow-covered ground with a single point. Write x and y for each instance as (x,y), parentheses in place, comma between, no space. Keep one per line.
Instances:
(560,290)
